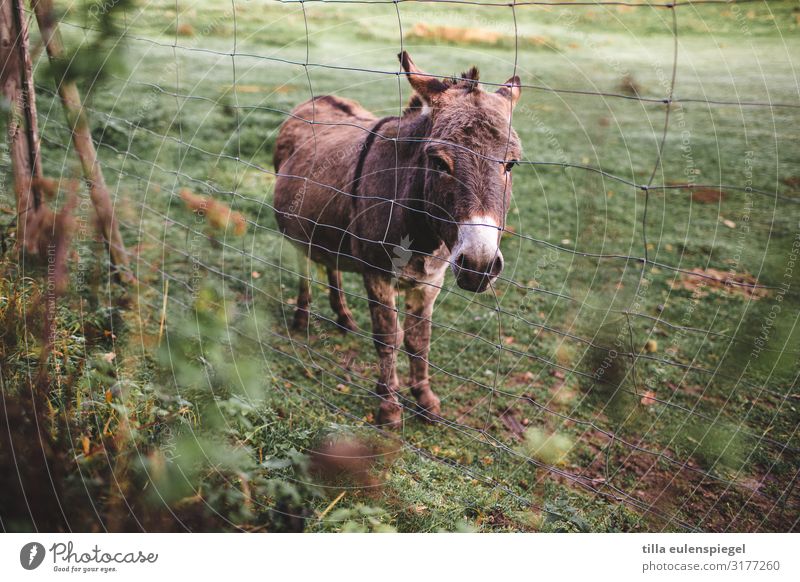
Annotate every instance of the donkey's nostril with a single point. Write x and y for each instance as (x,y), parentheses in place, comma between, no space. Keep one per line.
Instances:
(496,267)
(477,273)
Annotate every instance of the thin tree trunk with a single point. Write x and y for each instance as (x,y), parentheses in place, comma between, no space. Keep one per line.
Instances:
(82,140)
(29,95)
(22,136)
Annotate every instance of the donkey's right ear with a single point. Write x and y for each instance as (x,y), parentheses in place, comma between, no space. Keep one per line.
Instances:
(511,90)
(427,86)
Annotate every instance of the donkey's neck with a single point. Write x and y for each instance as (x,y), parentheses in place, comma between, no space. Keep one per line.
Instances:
(412,133)
(391,165)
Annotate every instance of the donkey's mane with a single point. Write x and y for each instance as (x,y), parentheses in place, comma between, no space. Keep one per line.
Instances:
(468,80)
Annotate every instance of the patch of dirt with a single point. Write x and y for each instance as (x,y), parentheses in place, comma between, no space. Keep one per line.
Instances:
(256,88)
(454,34)
(470,36)
(793,182)
(701,282)
(683,493)
(466,409)
(496,519)
(707,195)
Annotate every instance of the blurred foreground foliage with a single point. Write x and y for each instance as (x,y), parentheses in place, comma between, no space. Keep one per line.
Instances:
(101,51)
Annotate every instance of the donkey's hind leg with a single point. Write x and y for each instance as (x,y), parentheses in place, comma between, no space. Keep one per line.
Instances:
(343,316)
(300,322)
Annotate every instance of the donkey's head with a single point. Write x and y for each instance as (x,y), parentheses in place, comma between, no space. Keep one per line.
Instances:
(469,154)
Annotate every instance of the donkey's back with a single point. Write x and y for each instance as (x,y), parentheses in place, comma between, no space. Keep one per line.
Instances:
(315,157)
(318,118)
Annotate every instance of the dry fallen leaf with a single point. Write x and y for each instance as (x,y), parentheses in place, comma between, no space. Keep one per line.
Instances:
(217,214)
(185,29)
(514,426)
(649,398)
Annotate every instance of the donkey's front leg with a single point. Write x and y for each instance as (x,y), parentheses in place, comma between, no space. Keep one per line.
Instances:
(387,337)
(417,333)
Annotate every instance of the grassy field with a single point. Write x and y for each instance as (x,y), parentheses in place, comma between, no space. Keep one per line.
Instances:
(188,393)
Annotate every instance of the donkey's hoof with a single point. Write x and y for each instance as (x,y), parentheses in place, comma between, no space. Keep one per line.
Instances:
(346,324)
(429,407)
(300,321)
(390,415)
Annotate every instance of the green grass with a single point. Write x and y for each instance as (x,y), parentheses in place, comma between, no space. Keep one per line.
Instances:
(184,117)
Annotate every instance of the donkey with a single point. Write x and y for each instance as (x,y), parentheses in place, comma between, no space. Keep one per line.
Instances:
(431,186)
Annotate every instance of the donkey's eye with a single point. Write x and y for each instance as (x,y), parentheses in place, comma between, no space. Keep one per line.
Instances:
(440,165)
(510,165)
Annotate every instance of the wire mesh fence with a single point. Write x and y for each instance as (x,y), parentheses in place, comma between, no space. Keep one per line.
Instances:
(561,382)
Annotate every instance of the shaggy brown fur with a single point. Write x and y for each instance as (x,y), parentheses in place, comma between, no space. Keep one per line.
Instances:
(391,199)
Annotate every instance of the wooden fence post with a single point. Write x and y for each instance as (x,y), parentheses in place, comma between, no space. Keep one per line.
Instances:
(82,140)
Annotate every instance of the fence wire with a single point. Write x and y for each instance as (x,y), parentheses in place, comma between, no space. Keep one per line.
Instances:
(304,353)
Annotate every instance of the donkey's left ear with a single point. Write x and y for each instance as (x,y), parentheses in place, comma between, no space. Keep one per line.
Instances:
(511,90)
(427,86)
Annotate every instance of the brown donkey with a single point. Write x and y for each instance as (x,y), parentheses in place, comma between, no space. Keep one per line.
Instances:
(400,198)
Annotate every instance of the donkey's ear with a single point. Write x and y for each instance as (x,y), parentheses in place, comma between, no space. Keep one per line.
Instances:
(511,90)
(428,86)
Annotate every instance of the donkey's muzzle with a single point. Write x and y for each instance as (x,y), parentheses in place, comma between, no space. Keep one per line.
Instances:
(476,274)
